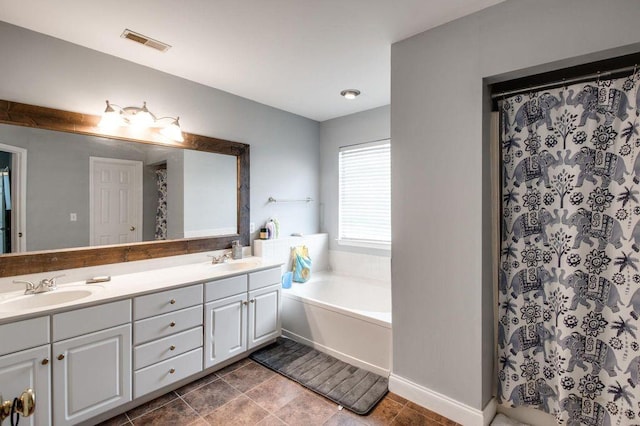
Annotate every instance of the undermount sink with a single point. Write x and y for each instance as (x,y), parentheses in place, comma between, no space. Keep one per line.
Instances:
(51,298)
(236,266)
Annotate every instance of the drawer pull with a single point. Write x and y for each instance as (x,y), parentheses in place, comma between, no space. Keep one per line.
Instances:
(173,370)
(45,361)
(172,348)
(173,324)
(172,301)
(61,357)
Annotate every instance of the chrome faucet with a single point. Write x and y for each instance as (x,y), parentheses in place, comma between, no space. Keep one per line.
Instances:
(215,260)
(45,285)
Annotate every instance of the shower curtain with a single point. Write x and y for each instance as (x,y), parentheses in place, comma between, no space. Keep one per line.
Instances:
(569,285)
(161,212)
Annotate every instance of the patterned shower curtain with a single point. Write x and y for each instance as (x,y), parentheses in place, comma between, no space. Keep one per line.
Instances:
(569,287)
(161,212)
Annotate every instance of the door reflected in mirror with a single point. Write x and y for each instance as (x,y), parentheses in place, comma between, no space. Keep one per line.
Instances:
(82,191)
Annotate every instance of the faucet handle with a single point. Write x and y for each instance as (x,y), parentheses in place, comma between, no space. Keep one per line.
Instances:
(30,287)
(51,282)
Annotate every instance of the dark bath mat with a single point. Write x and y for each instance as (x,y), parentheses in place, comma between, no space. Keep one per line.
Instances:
(352,387)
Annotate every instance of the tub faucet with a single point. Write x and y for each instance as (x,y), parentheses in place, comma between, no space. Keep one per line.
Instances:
(215,260)
(45,285)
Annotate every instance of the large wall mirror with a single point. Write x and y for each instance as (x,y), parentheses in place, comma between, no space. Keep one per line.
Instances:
(73,196)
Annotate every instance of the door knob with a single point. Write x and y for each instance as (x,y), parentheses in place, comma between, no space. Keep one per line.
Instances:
(133,228)
(24,405)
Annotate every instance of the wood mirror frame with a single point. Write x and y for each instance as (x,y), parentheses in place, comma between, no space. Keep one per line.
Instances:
(71,122)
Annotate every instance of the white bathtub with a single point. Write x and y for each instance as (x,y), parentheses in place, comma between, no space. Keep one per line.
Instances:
(347,317)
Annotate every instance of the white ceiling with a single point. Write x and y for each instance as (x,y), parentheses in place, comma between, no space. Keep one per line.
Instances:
(296,55)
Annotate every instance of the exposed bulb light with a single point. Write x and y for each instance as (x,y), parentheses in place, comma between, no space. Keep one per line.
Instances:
(172,131)
(139,118)
(350,93)
(142,117)
(110,118)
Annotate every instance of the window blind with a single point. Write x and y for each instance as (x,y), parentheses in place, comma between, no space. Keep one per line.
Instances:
(365,192)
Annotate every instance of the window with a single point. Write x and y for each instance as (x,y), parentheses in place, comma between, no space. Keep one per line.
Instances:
(365,194)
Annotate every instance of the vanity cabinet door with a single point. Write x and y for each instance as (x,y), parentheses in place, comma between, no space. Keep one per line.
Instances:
(225,323)
(264,315)
(91,374)
(28,369)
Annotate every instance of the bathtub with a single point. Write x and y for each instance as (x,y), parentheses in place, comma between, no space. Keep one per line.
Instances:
(347,317)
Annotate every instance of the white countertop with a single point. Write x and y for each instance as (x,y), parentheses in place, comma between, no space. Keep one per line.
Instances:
(133,284)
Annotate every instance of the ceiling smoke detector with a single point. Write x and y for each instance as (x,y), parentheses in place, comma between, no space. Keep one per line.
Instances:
(144,40)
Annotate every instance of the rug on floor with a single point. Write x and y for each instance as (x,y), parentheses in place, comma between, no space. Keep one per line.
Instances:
(354,388)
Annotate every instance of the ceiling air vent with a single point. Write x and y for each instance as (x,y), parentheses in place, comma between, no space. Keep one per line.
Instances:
(142,39)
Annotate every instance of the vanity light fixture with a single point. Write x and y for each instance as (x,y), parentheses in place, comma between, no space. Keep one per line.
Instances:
(117,116)
(350,93)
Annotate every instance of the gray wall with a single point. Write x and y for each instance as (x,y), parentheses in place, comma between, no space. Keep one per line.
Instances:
(209,201)
(366,126)
(442,301)
(45,71)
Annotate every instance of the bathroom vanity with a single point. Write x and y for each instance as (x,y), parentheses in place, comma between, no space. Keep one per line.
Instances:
(92,349)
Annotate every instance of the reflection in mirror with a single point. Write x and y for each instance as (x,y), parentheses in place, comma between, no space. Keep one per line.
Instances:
(88,191)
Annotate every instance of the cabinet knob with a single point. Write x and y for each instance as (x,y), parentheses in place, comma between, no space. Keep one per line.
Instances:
(61,357)
(172,301)
(172,348)
(173,370)
(245,303)
(45,361)
(173,324)
(252,300)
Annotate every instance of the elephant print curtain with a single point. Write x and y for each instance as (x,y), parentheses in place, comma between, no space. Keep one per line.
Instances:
(569,285)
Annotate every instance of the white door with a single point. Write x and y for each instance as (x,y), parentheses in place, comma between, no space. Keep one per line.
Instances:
(28,369)
(225,329)
(91,374)
(264,315)
(116,201)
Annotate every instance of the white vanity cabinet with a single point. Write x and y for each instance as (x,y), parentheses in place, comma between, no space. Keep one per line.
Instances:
(91,361)
(167,335)
(25,363)
(241,313)
(225,319)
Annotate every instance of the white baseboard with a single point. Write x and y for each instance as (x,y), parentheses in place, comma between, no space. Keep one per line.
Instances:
(341,356)
(441,404)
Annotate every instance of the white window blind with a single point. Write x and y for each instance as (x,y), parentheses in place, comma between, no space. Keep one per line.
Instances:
(365,193)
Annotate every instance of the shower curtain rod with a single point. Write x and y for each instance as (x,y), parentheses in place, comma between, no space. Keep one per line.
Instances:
(563,82)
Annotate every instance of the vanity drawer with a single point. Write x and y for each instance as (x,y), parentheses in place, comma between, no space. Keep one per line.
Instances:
(166,301)
(159,350)
(166,372)
(220,289)
(87,320)
(264,278)
(26,334)
(161,325)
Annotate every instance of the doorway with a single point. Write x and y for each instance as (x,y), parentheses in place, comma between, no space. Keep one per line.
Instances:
(13,174)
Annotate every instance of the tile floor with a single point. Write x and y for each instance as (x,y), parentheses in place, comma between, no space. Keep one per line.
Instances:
(246,393)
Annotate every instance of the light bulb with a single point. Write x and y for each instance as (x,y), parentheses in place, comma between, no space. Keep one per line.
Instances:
(172,131)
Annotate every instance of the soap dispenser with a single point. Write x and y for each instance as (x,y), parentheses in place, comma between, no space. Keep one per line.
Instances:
(236,249)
